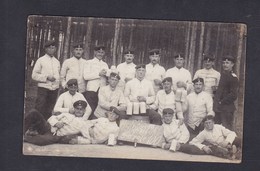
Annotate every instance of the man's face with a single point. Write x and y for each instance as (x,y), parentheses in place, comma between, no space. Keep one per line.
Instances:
(129,58)
(112,116)
(227,65)
(79,111)
(198,87)
(50,50)
(72,89)
(140,73)
(78,52)
(208,64)
(208,125)
(167,118)
(154,59)
(113,82)
(99,54)
(179,62)
(167,86)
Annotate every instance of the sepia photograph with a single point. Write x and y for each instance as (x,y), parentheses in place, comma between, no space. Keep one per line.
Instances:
(134,89)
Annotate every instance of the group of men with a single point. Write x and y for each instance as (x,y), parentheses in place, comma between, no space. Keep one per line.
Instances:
(131,90)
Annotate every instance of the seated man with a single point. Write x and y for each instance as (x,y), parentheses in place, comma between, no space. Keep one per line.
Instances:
(174,133)
(110,96)
(40,132)
(66,100)
(166,99)
(199,105)
(216,139)
(139,93)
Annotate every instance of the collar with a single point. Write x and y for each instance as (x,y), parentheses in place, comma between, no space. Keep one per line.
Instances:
(96,59)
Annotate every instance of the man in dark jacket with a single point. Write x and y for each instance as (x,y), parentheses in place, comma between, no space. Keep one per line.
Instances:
(226,94)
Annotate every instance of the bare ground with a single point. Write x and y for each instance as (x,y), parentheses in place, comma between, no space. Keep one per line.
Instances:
(118,151)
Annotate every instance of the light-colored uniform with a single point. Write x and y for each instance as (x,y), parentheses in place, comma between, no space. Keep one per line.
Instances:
(199,106)
(125,71)
(211,78)
(66,101)
(73,69)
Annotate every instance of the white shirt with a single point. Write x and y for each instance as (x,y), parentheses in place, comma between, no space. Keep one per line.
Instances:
(181,74)
(211,78)
(107,98)
(102,128)
(47,66)
(91,73)
(73,69)
(72,124)
(173,132)
(154,72)
(66,101)
(215,136)
(126,70)
(164,100)
(199,106)
(136,88)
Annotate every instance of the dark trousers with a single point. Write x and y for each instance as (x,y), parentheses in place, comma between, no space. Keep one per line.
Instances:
(216,150)
(195,132)
(34,120)
(225,118)
(45,101)
(92,99)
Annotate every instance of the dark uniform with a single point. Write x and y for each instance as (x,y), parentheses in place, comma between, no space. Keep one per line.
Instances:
(225,97)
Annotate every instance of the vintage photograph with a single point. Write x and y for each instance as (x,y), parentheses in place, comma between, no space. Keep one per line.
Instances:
(134,89)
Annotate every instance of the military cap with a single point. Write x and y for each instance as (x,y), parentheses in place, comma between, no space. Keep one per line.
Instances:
(114,75)
(81,103)
(228,58)
(78,45)
(167,79)
(129,51)
(198,80)
(208,57)
(140,66)
(99,47)
(72,82)
(154,52)
(168,111)
(179,56)
(50,43)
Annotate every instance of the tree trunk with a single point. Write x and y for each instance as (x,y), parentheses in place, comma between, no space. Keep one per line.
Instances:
(88,38)
(116,36)
(67,40)
(200,54)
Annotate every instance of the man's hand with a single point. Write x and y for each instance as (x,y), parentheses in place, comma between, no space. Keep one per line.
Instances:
(207,149)
(141,98)
(112,108)
(56,113)
(59,125)
(91,132)
(127,79)
(71,111)
(51,78)
(167,146)
(180,122)
(103,72)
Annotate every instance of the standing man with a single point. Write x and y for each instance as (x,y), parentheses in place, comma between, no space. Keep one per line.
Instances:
(47,73)
(209,74)
(110,97)
(199,105)
(73,68)
(139,92)
(126,70)
(226,94)
(95,72)
(154,71)
(179,74)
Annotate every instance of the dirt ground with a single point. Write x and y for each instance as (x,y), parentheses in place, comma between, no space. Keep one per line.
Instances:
(118,151)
